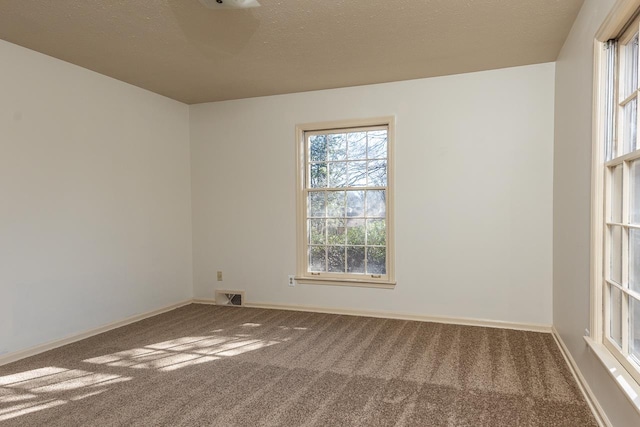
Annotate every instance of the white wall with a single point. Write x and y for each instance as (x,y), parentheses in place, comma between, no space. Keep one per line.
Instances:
(571,213)
(95,216)
(473,194)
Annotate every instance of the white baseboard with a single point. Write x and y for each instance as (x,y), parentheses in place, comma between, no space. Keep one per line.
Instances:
(399,316)
(593,403)
(209,301)
(15,356)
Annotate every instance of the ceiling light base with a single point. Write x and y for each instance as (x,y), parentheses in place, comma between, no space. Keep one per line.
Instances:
(230,4)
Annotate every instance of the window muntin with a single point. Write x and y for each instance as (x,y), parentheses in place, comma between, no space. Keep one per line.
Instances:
(621,282)
(345,228)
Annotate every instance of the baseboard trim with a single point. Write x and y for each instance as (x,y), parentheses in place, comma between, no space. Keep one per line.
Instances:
(32,351)
(593,403)
(393,315)
(208,301)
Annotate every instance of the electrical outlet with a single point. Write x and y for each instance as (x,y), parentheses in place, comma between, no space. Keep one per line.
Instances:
(292,280)
(587,333)
(219,276)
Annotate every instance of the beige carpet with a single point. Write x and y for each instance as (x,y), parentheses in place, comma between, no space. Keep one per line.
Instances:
(225,366)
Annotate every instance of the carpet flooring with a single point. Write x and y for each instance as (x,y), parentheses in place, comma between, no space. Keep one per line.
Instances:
(224,366)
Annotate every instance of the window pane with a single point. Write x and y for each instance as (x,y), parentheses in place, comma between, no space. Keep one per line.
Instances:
(357,143)
(377,146)
(376,232)
(376,203)
(631,66)
(629,125)
(355,203)
(634,329)
(316,203)
(615,313)
(634,205)
(318,175)
(346,182)
(615,195)
(317,259)
(357,173)
(317,148)
(336,258)
(337,174)
(377,173)
(335,204)
(336,232)
(355,232)
(317,231)
(337,146)
(609,101)
(376,261)
(616,254)
(634,260)
(355,259)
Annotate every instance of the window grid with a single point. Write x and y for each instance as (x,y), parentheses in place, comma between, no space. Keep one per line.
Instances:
(358,154)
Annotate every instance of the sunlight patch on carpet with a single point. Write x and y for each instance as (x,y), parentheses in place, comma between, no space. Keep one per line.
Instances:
(182,352)
(31,391)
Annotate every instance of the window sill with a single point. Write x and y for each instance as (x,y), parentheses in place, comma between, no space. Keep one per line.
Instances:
(345,282)
(626,382)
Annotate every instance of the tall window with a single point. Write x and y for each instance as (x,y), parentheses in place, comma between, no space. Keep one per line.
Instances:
(345,203)
(620,283)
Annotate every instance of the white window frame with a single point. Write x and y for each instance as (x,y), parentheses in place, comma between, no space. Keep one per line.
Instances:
(303,275)
(623,368)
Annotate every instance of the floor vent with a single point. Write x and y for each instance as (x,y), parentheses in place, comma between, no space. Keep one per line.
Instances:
(232,298)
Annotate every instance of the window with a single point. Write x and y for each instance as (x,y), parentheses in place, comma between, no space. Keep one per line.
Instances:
(345,203)
(618,205)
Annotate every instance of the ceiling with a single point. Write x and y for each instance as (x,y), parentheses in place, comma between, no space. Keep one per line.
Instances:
(187,52)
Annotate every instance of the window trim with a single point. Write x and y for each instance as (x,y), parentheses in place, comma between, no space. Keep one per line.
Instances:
(602,170)
(623,15)
(387,281)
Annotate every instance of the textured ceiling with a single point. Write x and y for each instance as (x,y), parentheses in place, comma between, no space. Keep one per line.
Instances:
(185,51)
